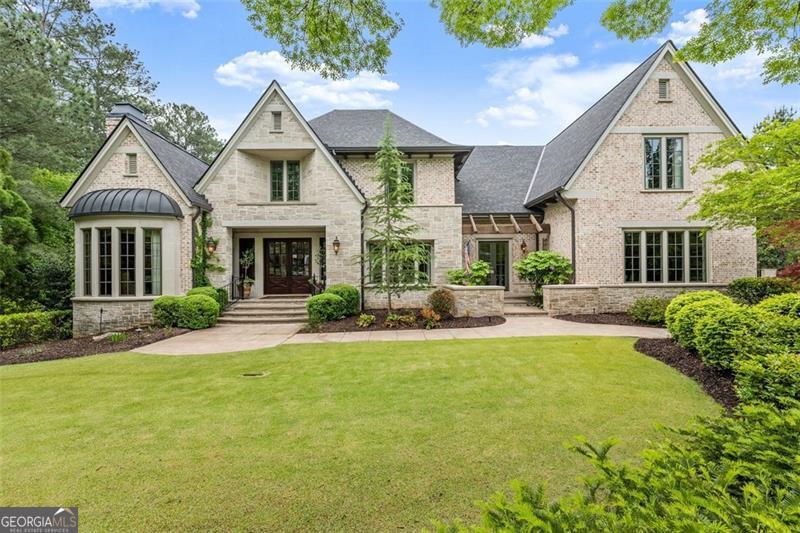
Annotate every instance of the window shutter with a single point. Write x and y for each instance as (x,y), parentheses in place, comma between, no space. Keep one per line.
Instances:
(663,89)
(131,165)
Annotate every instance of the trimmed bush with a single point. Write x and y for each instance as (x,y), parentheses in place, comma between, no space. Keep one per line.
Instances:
(36,326)
(443,301)
(649,310)
(349,294)
(773,378)
(218,295)
(684,299)
(720,337)
(782,304)
(166,310)
(783,333)
(753,290)
(197,311)
(325,307)
(687,318)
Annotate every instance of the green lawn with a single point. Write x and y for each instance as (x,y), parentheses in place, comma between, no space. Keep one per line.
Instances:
(337,436)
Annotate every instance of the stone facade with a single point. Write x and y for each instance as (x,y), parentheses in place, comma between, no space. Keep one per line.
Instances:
(478,301)
(91,316)
(609,194)
(516,286)
(591,299)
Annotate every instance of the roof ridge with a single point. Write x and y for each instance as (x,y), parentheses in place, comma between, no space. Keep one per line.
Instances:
(658,51)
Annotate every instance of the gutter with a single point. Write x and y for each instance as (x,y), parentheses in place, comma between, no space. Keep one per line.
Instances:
(572,223)
(363,212)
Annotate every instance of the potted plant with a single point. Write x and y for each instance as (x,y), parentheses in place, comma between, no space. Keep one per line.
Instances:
(246,260)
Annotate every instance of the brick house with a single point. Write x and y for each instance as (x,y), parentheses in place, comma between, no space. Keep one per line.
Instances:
(608,192)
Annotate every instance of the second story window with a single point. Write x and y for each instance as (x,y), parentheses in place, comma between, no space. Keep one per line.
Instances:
(284,181)
(131,165)
(663,163)
(277,124)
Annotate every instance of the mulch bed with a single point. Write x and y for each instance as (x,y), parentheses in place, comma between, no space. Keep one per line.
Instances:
(616,319)
(716,383)
(349,323)
(65,349)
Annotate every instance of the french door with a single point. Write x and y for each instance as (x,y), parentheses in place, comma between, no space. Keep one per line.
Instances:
(287,266)
(496,254)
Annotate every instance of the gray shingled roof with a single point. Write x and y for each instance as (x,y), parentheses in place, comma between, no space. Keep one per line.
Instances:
(565,153)
(362,129)
(125,201)
(184,168)
(494,179)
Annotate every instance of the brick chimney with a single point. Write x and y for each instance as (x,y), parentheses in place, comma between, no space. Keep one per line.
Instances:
(120,110)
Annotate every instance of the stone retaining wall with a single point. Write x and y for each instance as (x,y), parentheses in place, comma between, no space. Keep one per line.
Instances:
(478,301)
(591,299)
(118,314)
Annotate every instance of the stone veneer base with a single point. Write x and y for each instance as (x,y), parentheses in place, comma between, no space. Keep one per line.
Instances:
(117,314)
(478,301)
(591,299)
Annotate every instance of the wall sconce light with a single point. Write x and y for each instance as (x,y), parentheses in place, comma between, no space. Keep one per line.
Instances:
(336,245)
(211,245)
(523,246)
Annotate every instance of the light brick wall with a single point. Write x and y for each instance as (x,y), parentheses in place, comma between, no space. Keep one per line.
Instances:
(611,193)
(434,178)
(590,299)
(117,314)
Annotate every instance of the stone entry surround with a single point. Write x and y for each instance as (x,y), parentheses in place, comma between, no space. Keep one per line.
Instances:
(591,299)
(478,301)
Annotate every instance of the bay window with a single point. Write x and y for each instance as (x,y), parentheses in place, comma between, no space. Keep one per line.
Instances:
(668,255)
(152,262)
(104,261)
(87,262)
(127,262)
(284,181)
(663,163)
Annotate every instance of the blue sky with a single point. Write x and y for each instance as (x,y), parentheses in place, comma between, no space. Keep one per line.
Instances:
(206,53)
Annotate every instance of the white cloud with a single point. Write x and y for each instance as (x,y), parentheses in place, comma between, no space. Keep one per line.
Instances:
(188,8)
(254,70)
(546,38)
(683,30)
(547,91)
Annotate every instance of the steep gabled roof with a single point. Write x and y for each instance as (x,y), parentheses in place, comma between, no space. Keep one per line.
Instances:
(184,168)
(565,153)
(494,179)
(353,130)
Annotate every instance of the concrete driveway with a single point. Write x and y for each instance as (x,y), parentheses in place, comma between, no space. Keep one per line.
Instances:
(237,338)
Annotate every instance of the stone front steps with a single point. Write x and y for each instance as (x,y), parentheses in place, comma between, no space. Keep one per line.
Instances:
(518,306)
(273,309)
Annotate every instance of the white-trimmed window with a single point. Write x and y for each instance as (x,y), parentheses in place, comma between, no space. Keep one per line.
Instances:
(87,261)
(152,262)
(127,262)
(665,256)
(284,181)
(418,273)
(104,253)
(664,162)
(114,261)
(131,165)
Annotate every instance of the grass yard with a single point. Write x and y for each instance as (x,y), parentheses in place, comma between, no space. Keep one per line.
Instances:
(359,436)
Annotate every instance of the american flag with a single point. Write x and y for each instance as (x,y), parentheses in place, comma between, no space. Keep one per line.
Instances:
(467,255)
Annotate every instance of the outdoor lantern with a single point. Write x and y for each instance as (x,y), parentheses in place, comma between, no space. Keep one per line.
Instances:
(211,246)
(336,245)
(523,247)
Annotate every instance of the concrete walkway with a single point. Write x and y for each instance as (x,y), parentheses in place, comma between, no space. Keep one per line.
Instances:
(236,338)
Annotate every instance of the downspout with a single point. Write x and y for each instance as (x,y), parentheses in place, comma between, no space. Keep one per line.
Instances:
(572,220)
(363,213)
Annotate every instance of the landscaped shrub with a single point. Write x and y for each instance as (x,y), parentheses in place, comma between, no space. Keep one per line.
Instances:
(166,310)
(365,320)
(443,301)
(197,311)
(720,336)
(394,319)
(771,378)
(731,473)
(478,274)
(753,290)
(686,319)
(543,268)
(349,294)
(37,326)
(649,309)
(783,304)
(784,333)
(430,318)
(326,307)
(457,276)
(684,299)
(219,295)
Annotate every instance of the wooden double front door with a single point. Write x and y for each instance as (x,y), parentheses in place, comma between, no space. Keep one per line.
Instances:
(287,266)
